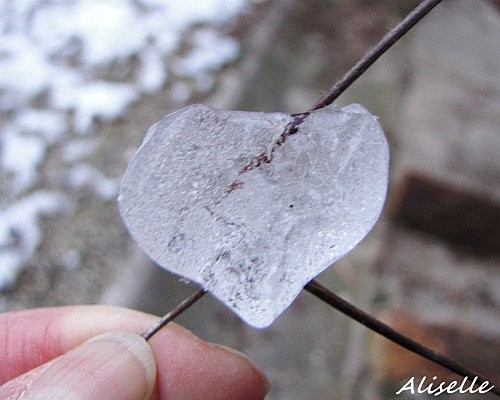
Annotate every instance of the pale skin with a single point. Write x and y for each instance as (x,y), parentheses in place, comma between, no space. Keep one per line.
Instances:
(46,353)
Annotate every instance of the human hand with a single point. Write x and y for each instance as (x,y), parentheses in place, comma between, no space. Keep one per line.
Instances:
(47,354)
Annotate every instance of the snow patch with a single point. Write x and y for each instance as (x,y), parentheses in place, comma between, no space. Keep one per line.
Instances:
(210,52)
(20,234)
(21,156)
(84,175)
(24,71)
(65,64)
(51,125)
(78,149)
(152,75)
(104,100)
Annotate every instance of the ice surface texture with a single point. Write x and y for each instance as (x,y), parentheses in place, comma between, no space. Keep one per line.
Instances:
(201,204)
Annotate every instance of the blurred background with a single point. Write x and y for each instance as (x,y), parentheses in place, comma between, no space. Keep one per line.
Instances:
(82,80)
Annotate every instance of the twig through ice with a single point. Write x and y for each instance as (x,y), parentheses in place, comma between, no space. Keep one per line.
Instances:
(315,287)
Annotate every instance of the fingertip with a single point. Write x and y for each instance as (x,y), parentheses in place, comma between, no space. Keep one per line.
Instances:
(255,382)
(115,365)
(190,368)
(96,319)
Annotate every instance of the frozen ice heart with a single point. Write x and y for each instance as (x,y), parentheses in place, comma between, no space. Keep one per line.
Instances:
(221,198)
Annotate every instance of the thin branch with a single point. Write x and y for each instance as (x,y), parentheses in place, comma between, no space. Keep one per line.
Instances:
(375,52)
(177,310)
(385,330)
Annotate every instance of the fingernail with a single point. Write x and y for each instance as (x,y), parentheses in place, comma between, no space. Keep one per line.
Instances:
(116,365)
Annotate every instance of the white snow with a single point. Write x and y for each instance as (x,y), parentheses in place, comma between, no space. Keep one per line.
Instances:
(20,234)
(57,46)
(21,156)
(50,124)
(107,25)
(152,75)
(210,52)
(99,99)
(65,64)
(24,70)
(78,149)
(84,175)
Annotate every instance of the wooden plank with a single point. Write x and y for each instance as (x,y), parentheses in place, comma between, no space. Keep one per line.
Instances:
(460,218)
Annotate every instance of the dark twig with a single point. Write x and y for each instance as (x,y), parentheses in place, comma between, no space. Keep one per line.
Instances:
(385,330)
(179,309)
(375,52)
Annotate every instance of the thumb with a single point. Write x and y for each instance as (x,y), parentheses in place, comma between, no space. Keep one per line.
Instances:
(116,365)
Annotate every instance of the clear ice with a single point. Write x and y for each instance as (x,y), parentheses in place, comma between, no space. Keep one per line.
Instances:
(200,203)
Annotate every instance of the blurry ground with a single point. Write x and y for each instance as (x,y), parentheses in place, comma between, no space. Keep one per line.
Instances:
(79,88)
(437,93)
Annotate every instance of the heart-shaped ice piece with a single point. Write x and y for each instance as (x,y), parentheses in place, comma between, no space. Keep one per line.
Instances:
(219,198)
